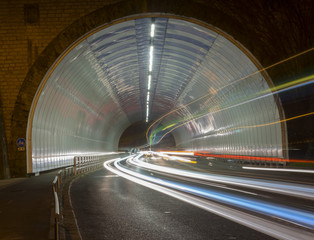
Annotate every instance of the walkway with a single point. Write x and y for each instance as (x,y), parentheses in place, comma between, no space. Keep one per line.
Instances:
(26,207)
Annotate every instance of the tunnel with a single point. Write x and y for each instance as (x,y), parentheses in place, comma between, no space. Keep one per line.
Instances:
(157,119)
(178,77)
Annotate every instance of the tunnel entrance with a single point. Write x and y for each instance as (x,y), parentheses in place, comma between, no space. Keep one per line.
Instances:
(202,86)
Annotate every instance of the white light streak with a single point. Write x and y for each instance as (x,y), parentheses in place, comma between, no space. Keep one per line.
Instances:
(289,189)
(271,228)
(280,169)
(180,153)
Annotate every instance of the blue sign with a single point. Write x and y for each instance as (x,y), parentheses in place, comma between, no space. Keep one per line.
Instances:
(21,142)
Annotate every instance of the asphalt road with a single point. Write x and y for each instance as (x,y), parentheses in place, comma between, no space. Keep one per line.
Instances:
(110,207)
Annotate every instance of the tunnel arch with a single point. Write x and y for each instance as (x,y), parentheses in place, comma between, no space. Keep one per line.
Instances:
(85,102)
(53,51)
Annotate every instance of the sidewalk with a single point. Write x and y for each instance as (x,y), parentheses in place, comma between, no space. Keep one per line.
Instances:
(26,207)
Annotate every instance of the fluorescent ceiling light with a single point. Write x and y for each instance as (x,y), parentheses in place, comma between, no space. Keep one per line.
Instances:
(149,81)
(151,58)
(147,97)
(152,30)
(151,50)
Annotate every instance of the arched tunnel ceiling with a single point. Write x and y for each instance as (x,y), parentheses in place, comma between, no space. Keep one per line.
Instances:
(122,55)
(100,87)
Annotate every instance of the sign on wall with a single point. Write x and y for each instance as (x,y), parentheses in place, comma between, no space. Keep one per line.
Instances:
(21,143)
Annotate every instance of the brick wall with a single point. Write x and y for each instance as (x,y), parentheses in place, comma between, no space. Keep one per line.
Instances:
(26,28)
(22,39)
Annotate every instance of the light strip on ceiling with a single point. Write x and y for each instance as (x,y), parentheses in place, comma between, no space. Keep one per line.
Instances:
(151,50)
(150,68)
(149,81)
(152,30)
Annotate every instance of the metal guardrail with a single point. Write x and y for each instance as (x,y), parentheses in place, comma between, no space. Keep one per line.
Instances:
(57,214)
(56,187)
(81,164)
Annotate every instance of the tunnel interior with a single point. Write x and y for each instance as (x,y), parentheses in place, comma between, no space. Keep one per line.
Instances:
(135,137)
(182,84)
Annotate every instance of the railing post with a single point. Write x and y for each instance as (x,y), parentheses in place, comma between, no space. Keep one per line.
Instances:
(74,165)
(59,180)
(57,213)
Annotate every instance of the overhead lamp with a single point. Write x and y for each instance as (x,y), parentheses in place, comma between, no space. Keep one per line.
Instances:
(150,67)
(151,50)
(152,30)
(148,97)
(149,81)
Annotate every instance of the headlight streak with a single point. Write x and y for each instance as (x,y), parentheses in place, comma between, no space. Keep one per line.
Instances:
(186,153)
(134,162)
(274,229)
(251,158)
(252,74)
(295,216)
(301,217)
(175,158)
(279,169)
(290,189)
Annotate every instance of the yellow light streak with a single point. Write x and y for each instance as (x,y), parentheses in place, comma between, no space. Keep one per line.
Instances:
(243,78)
(251,126)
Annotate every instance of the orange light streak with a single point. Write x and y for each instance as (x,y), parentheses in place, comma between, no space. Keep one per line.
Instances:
(252,158)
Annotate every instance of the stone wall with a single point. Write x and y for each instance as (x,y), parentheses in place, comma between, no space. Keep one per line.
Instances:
(26,28)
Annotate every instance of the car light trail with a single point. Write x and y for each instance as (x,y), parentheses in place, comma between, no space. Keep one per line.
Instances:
(230,129)
(275,229)
(252,74)
(251,158)
(175,158)
(289,189)
(280,169)
(301,217)
(184,153)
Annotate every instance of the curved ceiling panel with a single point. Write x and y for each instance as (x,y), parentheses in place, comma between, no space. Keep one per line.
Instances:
(102,86)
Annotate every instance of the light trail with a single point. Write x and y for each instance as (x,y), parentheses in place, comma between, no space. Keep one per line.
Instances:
(240,127)
(174,158)
(184,153)
(289,189)
(280,169)
(271,228)
(200,115)
(252,158)
(219,89)
(183,191)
